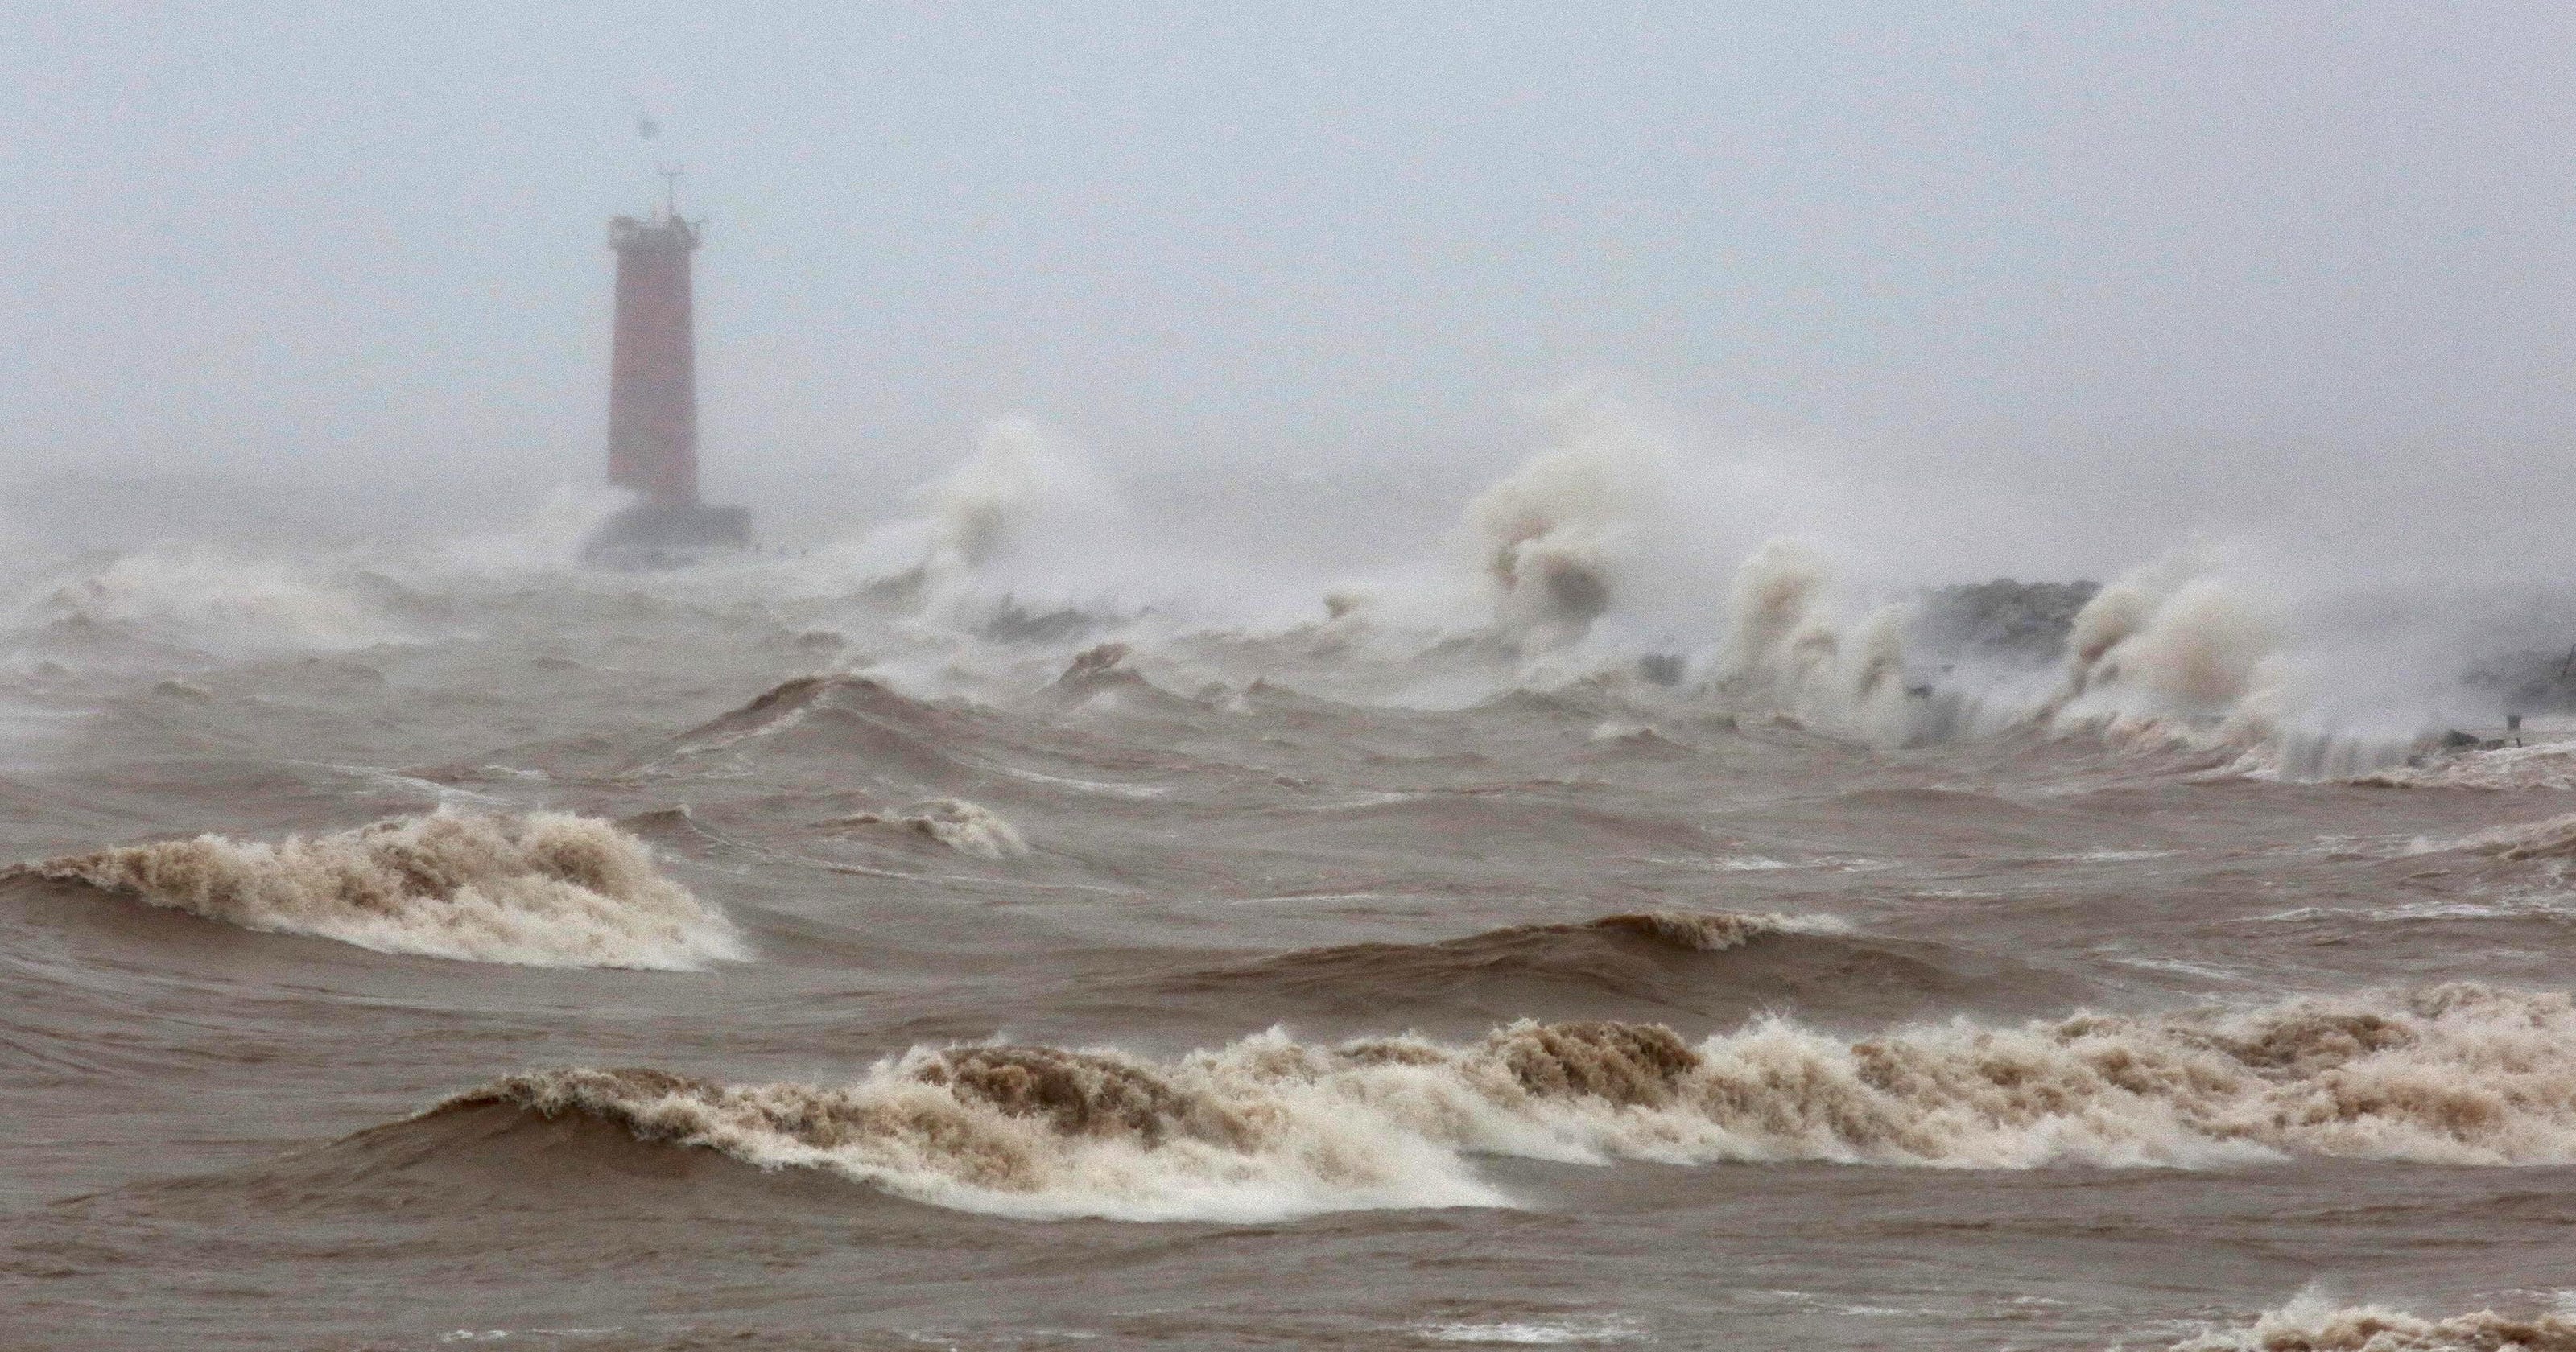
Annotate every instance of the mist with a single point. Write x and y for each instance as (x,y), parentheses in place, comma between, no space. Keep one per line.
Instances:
(2040,288)
(1631,674)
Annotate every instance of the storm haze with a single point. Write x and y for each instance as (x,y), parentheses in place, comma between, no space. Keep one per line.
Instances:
(2036,289)
(1301,675)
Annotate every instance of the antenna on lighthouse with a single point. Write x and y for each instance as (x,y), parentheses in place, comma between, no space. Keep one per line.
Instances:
(671,189)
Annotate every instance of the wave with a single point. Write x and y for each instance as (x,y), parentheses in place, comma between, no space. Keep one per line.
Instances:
(900,740)
(792,701)
(1018,542)
(1634,741)
(967,828)
(2551,839)
(1711,931)
(1716,966)
(1792,647)
(546,889)
(1103,677)
(2311,1324)
(2546,765)
(1267,1126)
(224,602)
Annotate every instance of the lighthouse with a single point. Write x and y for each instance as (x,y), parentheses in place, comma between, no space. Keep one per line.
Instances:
(653,398)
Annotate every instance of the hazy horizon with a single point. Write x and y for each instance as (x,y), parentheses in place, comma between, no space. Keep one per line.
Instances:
(2020,288)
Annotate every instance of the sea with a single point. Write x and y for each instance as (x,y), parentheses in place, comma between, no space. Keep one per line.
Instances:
(1584,934)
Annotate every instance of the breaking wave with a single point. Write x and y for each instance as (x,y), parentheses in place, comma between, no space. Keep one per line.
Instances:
(1554,534)
(547,889)
(1710,931)
(967,828)
(2312,1324)
(2172,638)
(1268,1126)
(2547,765)
(229,603)
(1791,648)
(1013,524)
(2551,839)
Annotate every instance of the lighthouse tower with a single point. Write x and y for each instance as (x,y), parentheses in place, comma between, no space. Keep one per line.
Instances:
(653,399)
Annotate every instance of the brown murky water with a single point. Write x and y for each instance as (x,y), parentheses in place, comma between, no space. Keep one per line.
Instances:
(759,959)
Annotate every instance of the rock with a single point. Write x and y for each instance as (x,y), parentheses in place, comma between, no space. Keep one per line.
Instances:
(2025,620)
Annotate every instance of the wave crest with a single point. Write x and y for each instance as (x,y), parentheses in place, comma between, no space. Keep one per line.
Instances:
(2547,765)
(2309,1324)
(546,889)
(968,828)
(2554,838)
(1715,931)
(1713,965)
(1268,1126)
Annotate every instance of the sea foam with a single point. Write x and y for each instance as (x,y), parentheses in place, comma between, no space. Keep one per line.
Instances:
(546,889)
(1268,1126)
(2313,1324)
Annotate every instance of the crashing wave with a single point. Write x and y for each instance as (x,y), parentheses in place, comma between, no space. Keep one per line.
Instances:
(2545,765)
(1268,1127)
(987,505)
(2311,1324)
(1790,648)
(995,541)
(2172,655)
(1589,527)
(230,604)
(546,889)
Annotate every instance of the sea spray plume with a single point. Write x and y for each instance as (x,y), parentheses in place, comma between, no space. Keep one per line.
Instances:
(1574,530)
(1604,545)
(2175,653)
(548,540)
(987,505)
(1268,1127)
(1021,515)
(1791,647)
(2299,675)
(546,889)
(1773,612)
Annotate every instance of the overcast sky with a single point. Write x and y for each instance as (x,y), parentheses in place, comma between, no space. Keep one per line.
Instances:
(2069,278)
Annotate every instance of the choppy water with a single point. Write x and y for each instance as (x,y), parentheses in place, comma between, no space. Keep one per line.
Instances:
(433,947)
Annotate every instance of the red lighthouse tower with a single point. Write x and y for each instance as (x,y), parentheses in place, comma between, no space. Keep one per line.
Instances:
(653,398)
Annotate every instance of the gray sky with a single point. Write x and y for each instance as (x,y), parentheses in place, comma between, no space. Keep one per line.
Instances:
(2051,283)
